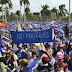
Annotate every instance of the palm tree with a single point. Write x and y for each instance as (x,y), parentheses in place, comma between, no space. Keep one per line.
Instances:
(54,12)
(6,2)
(0,9)
(20,8)
(45,12)
(27,10)
(10,7)
(26,3)
(62,10)
(2,2)
(18,13)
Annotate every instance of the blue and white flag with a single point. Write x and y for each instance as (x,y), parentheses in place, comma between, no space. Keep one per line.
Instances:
(1,53)
(61,31)
(3,37)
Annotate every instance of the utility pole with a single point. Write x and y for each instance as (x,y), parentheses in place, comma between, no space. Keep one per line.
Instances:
(69,10)
(24,10)
(5,12)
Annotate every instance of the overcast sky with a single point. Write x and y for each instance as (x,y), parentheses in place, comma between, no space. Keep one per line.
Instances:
(35,5)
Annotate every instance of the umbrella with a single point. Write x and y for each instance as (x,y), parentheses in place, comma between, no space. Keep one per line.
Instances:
(2,25)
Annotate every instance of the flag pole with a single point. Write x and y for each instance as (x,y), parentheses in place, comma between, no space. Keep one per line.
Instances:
(69,10)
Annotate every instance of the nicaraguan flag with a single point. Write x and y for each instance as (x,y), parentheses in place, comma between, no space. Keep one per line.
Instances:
(1,53)
(3,37)
(61,31)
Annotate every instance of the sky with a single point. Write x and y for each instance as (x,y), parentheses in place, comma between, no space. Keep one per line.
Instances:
(35,5)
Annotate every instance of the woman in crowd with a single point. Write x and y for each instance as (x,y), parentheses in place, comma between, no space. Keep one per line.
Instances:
(63,65)
(57,68)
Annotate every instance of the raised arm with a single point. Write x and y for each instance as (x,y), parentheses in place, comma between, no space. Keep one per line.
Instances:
(33,63)
(48,55)
(15,47)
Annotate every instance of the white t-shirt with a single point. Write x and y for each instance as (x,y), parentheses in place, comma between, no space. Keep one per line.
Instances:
(15,57)
(15,63)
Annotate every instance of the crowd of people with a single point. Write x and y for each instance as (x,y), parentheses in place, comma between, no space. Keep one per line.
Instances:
(37,57)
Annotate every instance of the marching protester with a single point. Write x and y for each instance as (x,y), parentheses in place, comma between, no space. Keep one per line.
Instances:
(57,68)
(64,65)
(36,50)
(67,31)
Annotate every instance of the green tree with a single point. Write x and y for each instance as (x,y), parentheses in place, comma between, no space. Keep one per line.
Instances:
(54,10)
(71,16)
(26,3)
(27,10)
(10,7)
(61,12)
(13,16)
(18,14)
(45,12)
(20,8)
(1,2)
(0,9)
(54,13)
(4,2)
